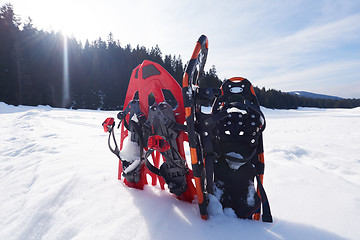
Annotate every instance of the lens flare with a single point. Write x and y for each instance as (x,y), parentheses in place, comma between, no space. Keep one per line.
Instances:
(66,87)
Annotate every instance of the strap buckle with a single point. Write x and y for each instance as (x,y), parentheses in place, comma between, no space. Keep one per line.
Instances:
(158,143)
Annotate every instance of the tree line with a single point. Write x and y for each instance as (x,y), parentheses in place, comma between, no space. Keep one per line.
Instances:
(280,100)
(33,70)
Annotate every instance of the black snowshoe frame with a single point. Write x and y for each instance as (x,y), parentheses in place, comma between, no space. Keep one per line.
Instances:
(231,142)
(227,143)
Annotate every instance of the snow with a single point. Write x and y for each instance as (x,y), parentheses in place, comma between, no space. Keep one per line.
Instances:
(250,197)
(59,181)
(232,164)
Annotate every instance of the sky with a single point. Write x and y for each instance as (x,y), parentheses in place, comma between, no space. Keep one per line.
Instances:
(285,45)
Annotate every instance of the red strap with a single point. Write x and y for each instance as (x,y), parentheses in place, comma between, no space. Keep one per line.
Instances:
(158,143)
(107,124)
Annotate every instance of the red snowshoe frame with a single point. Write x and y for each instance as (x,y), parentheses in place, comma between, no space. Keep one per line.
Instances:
(150,79)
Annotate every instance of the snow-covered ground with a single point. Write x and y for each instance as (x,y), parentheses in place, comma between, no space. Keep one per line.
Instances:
(58,180)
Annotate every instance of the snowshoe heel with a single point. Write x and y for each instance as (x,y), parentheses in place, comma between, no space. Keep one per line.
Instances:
(131,171)
(174,177)
(237,188)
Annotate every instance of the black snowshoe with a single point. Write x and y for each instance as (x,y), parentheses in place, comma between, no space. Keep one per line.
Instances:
(228,141)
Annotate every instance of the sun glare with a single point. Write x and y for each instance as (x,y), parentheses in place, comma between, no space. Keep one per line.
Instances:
(66,87)
(82,19)
(68,17)
(65,20)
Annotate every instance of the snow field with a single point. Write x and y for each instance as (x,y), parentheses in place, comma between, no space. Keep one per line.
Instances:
(59,181)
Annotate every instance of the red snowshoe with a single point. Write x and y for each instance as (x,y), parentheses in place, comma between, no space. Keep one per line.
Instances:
(153,118)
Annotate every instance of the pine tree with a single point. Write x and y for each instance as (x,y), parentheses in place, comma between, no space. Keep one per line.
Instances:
(10,87)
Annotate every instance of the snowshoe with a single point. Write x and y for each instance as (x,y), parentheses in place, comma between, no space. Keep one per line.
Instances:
(195,67)
(153,119)
(226,144)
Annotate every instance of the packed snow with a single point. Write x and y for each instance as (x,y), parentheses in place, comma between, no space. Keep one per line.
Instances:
(59,181)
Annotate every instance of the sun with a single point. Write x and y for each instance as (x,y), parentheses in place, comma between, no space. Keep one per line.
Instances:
(71,18)
(62,16)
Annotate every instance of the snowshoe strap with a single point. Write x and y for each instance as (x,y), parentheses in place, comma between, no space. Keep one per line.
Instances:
(108,126)
(266,217)
(131,169)
(171,171)
(133,108)
(240,160)
(135,127)
(148,164)
(207,93)
(165,120)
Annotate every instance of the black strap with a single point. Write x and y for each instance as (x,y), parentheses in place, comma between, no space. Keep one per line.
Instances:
(133,105)
(154,169)
(115,150)
(209,171)
(266,217)
(238,160)
(178,126)
(151,167)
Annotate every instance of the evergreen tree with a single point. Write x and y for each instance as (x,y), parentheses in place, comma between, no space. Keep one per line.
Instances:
(10,88)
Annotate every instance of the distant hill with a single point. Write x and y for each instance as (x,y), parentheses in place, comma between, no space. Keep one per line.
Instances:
(313,95)
(276,99)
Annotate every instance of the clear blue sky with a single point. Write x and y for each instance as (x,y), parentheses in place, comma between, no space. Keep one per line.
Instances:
(286,45)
